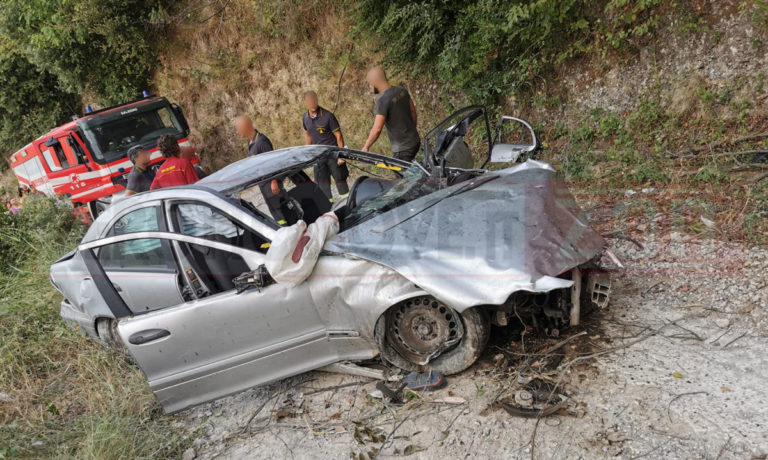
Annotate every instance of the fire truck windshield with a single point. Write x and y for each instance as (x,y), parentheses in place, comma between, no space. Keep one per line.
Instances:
(112,138)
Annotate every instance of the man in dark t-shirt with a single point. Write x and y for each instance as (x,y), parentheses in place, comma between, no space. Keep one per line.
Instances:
(322,128)
(258,143)
(395,110)
(140,178)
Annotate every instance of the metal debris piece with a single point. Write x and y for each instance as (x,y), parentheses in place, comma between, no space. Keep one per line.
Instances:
(354,369)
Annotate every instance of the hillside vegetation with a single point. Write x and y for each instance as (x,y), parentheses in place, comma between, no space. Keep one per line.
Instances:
(666,97)
(625,95)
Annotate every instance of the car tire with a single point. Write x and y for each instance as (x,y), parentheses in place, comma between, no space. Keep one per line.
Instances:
(477,331)
(476,325)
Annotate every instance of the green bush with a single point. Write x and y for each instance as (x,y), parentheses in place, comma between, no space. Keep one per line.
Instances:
(35,236)
(492,47)
(50,52)
(30,102)
(485,47)
(107,47)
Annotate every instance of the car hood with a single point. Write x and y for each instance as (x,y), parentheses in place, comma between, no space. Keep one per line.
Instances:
(477,242)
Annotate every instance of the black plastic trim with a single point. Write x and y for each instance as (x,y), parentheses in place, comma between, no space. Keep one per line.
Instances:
(113,300)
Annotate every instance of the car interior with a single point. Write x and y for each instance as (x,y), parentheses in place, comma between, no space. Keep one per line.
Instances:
(216,268)
(303,199)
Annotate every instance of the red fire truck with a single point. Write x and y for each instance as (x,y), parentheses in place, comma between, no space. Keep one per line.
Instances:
(86,159)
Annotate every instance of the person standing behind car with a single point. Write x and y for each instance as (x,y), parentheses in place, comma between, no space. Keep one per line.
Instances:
(174,170)
(322,128)
(140,178)
(258,144)
(395,110)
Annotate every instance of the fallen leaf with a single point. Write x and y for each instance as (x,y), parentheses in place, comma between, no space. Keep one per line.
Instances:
(677,375)
(725,389)
(412,449)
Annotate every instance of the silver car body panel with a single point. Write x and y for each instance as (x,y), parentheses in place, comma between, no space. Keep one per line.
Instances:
(82,304)
(477,242)
(228,342)
(352,293)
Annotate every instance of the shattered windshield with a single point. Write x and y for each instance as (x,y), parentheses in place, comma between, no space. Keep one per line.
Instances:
(112,139)
(413,184)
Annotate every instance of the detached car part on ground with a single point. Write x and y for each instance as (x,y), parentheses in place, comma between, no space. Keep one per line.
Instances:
(428,256)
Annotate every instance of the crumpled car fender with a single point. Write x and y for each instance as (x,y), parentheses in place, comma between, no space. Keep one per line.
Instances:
(352,293)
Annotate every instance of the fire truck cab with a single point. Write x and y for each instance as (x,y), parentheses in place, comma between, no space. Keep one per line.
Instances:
(86,159)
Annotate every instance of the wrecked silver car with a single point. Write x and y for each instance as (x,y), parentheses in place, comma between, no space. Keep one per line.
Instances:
(427,257)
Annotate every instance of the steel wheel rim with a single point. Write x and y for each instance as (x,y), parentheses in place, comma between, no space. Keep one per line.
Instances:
(422,328)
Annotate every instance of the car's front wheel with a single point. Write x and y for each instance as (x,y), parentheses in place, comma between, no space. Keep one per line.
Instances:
(423,332)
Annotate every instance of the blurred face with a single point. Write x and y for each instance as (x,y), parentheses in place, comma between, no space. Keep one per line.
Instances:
(372,85)
(142,159)
(244,128)
(310,101)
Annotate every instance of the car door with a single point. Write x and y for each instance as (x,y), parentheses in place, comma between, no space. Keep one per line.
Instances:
(142,270)
(220,341)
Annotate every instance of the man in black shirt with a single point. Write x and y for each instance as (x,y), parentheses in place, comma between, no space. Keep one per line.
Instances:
(259,143)
(395,110)
(140,178)
(322,128)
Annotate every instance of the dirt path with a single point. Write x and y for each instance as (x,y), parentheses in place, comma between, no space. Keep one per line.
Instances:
(687,379)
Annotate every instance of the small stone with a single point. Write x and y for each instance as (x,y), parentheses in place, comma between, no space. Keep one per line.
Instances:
(722,323)
(189,454)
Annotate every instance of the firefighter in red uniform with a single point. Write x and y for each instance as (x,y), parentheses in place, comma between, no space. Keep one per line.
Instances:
(174,170)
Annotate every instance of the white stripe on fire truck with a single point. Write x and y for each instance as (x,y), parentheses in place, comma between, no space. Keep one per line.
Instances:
(95,189)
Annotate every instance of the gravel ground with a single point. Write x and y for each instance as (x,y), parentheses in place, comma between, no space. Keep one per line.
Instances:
(680,373)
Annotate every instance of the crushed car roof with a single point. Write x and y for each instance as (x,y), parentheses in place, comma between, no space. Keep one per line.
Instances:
(253,168)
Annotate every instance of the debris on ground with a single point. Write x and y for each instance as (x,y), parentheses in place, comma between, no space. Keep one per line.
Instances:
(427,381)
(607,387)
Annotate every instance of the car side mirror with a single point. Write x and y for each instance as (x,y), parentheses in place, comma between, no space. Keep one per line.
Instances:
(512,152)
(179,112)
(509,153)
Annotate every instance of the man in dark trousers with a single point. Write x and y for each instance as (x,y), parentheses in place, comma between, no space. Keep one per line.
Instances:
(140,178)
(258,143)
(322,128)
(395,110)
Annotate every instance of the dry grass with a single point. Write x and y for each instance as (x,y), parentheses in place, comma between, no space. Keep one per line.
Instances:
(62,394)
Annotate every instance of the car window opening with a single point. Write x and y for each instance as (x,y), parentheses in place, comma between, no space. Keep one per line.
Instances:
(374,187)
